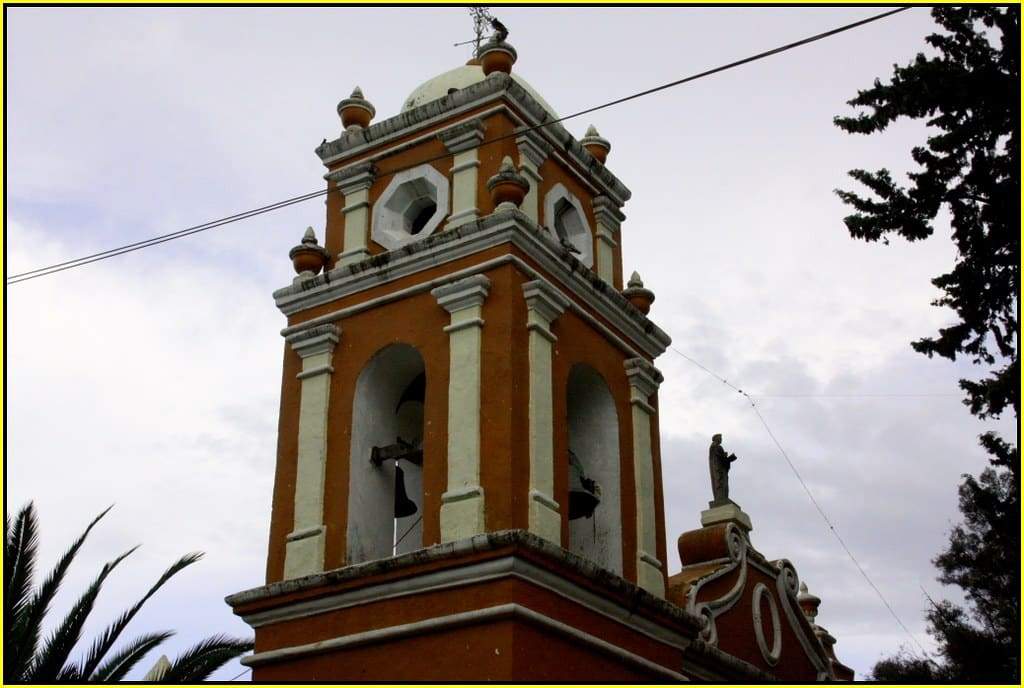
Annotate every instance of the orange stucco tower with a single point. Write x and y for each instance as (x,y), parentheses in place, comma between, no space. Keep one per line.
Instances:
(468,481)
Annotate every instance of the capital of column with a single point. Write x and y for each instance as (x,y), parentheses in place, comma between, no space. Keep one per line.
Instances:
(464,136)
(459,295)
(544,300)
(644,378)
(607,213)
(358,177)
(532,148)
(311,341)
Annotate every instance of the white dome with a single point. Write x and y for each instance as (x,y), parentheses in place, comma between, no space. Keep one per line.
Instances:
(459,78)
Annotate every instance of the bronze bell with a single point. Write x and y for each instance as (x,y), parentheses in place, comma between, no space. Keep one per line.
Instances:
(584,493)
(403,505)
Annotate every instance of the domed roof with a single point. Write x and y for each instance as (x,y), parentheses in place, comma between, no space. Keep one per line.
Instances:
(459,78)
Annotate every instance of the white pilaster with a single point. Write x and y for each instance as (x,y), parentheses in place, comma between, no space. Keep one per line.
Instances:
(464,140)
(462,504)
(544,304)
(354,184)
(304,548)
(609,221)
(644,380)
(533,151)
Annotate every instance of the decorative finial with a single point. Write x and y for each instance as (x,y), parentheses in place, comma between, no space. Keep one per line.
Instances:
(508,188)
(309,256)
(496,55)
(356,111)
(808,603)
(637,295)
(595,144)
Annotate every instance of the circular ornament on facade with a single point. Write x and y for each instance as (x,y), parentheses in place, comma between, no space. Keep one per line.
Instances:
(771,655)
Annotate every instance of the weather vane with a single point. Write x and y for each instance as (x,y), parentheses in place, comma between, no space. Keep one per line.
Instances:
(482,19)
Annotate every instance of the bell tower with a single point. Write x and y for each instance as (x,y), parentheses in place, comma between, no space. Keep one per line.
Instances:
(468,481)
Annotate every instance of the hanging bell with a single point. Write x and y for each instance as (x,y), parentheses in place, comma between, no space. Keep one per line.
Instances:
(584,493)
(403,505)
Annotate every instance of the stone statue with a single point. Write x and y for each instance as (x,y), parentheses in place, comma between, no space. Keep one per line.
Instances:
(718,462)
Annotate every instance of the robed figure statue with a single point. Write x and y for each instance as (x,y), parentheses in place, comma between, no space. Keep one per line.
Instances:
(718,462)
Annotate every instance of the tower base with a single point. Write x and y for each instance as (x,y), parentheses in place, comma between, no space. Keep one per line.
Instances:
(505,606)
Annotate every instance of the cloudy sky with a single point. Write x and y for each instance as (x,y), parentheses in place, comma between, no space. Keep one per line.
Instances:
(151,380)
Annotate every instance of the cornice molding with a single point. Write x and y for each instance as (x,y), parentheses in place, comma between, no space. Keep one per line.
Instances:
(494,87)
(506,226)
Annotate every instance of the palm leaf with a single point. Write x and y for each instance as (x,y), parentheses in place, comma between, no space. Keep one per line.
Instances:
(49,663)
(205,657)
(125,659)
(20,545)
(106,640)
(28,627)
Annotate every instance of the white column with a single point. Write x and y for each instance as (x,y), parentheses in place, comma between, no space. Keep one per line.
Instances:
(304,548)
(544,304)
(464,140)
(533,151)
(462,504)
(354,184)
(609,221)
(644,380)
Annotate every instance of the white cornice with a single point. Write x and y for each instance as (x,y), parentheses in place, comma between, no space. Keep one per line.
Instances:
(508,226)
(495,87)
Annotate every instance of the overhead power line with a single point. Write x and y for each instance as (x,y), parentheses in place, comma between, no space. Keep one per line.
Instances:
(810,495)
(213,224)
(855,396)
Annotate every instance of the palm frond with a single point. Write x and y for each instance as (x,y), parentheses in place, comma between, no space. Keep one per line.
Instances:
(49,663)
(28,627)
(205,657)
(106,640)
(125,659)
(20,545)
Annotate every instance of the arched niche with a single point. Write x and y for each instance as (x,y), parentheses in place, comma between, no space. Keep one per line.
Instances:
(388,405)
(593,426)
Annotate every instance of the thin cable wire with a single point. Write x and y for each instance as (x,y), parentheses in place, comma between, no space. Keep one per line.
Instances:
(195,229)
(240,675)
(810,495)
(851,396)
(414,524)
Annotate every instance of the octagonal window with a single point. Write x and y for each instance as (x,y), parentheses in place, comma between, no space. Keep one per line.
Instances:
(411,207)
(565,218)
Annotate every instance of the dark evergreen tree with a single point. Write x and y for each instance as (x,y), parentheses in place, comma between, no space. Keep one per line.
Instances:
(968,90)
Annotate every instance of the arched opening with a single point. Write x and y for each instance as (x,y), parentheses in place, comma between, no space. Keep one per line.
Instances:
(386,458)
(594,445)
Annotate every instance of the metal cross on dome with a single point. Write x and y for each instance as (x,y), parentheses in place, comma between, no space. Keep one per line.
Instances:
(482,20)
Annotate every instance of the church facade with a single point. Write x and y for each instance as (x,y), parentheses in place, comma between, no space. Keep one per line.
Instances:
(468,483)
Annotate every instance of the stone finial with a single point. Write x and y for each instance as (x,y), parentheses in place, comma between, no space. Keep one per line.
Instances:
(356,111)
(507,188)
(309,255)
(595,144)
(808,603)
(497,56)
(637,295)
